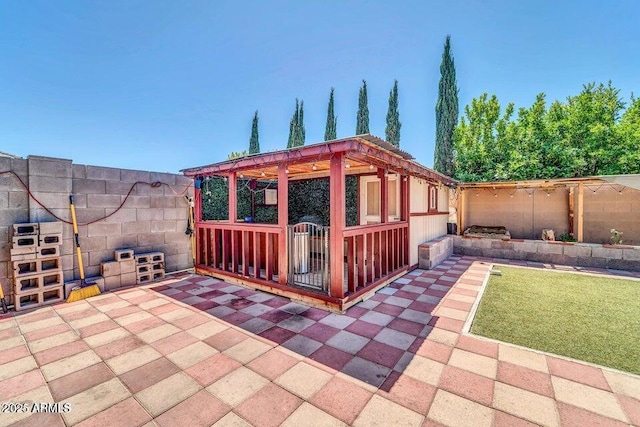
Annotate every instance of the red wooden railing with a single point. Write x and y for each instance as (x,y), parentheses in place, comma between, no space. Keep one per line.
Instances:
(375,252)
(250,250)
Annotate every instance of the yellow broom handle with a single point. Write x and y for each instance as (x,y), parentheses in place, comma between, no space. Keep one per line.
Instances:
(73,219)
(75,233)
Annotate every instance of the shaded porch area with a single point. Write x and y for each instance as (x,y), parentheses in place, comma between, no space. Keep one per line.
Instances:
(328,263)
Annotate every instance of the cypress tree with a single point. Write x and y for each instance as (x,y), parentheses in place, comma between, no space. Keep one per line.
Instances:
(446,113)
(293,128)
(254,143)
(300,125)
(362,123)
(392,131)
(332,121)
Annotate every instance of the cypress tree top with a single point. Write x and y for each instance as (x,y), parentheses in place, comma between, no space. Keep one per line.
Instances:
(446,112)
(254,144)
(362,123)
(392,131)
(332,122)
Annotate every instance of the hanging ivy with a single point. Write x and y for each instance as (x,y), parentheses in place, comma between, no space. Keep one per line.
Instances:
(309,197)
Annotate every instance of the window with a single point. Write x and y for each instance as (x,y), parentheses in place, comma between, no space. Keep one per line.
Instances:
(270,197)
(433,198)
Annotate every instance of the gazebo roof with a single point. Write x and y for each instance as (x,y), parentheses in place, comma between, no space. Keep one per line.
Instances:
(362,152)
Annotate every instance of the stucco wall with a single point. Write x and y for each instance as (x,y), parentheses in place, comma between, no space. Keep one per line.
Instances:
(525,216)
(524,213)
(606,209)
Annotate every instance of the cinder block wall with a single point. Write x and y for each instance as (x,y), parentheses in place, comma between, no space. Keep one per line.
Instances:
(151,219)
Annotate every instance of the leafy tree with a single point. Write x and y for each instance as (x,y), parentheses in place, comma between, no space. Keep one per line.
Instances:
(446,112)
(589,134)
(237,155)
(254,143)
(332,121)
(392,131)
(296,126)
(362,122)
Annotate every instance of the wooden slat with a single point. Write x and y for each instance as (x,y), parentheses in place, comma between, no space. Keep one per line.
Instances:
(245,253)
(336,224)
(283,221)
(256,254)
(235,250)
(217,243)
(269,256)
(377,255)
(360,259)
(351,282)
(370,272)
(226,249)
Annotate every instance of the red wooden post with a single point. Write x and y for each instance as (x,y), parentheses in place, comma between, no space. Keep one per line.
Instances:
(384,197)
(405,194)
(233,198)
(337,223)
(283,222)
(197,204)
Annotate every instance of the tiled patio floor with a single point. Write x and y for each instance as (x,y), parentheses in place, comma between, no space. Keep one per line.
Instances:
(195,351)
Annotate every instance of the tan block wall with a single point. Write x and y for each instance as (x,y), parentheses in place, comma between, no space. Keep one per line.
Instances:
(525,217)
(152,219)
(607,209)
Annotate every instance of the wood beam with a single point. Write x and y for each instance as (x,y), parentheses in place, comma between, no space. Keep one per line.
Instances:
(571,210)
(283,222)
(406,203)
(384,196)
(233,197)
(197,205)
(460,213)
(337,224)
(580,212)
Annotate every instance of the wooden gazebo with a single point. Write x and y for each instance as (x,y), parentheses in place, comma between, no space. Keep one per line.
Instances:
(360,259)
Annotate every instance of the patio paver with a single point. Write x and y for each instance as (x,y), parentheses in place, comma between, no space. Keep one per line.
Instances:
(185,350)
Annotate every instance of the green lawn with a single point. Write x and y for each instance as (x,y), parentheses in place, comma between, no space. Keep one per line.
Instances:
(595,319)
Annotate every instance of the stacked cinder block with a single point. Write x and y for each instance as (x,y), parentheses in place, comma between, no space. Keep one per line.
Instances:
(149,266)
(120,272)
(37,265)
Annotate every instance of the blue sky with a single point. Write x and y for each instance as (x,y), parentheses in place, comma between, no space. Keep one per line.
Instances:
(166,85)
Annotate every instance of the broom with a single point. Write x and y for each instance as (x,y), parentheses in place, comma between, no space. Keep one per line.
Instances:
(85,290)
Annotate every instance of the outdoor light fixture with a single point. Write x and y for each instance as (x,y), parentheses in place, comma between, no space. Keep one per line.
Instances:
(262,174)
(225,179)
(370,166)
(241,175)
(347,165)
(314,167)
(286,170)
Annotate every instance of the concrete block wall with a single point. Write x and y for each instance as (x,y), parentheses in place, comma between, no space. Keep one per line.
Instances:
(618,257)
(14,208)
(152,218)
(433,252)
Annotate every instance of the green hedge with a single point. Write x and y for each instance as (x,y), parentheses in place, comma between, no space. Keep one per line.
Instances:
(310,197)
